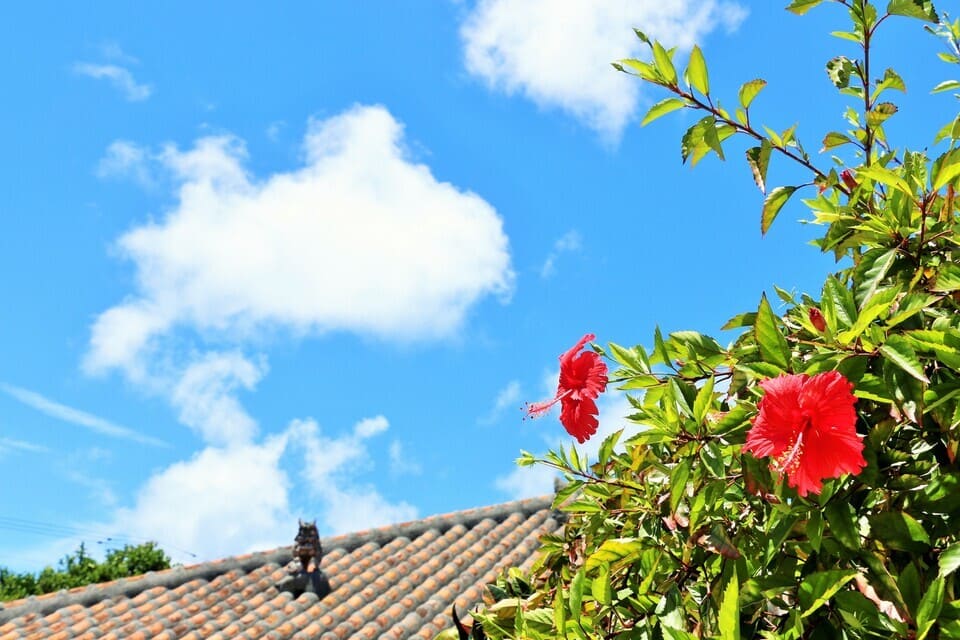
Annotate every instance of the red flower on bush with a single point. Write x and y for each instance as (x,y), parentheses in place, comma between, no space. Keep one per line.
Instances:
(807,424)
(583,376)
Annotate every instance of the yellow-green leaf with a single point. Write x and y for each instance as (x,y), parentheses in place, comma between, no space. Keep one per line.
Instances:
(697,71)
(749,91)
(900,353)
(772,205)
(661,58)
(662,108)
(729,618)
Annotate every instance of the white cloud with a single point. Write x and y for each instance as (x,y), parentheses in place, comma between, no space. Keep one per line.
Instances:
(360,239)
(507,397)
(330,468)
(567,243)
(401,463)
(559,54)
(125,159)
(205,396)
(76,416)
(223,501)
(526,482)
(119,77)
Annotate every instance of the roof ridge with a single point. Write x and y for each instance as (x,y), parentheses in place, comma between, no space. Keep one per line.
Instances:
(170,578)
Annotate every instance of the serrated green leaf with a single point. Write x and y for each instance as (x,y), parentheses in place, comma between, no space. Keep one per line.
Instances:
(729,617)
(886,177)
(869,274)
(759,159)
(921,9)
(712,138)
(662,108)
(900,353)
(800,7)
(749,91)
(704,400)
(772,205)
(697,71)
(773,346)
(817,588)
(613,551)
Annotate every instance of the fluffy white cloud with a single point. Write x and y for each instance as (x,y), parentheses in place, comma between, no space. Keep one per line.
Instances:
(360,239)
(400,461)
(330,468)
(237,497)
(526,482)
(119,77)
(205,396)
(559,54)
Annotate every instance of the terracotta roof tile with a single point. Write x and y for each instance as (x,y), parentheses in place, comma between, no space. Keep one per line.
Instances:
(397,582)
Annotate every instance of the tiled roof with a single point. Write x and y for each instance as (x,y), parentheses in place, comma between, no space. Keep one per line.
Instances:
(398,581)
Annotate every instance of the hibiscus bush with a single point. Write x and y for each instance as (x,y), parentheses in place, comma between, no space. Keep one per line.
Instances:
(801,482)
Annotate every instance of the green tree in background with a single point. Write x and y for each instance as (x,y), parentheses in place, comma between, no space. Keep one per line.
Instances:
(79,569)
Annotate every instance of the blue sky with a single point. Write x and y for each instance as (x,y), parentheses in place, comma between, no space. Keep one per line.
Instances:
(263,264)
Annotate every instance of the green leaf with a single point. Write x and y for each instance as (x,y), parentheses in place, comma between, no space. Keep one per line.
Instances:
(834,139)
(839,70)
(729,617)
(749,91)
(929,609)
(817,588)
(949,560)
(712,137)
(678,483)
(869,274)
(946,85)
(614,550)
(773,346)
(600,586)
(922,9)
(843,524)
(948,171)
(800,7)
(898,350)
(704,400)
(697,71)
(759,159)
(900,531)
(880,113)
(948,278)
(662,108)
(661,58)
(576,592)
(772,205)
(886,177)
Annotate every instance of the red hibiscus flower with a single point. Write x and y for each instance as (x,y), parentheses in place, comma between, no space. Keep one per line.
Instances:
(583,376)
(807,424)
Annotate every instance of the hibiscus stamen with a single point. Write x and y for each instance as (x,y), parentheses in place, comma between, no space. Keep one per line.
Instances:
(789,460)
(537,409)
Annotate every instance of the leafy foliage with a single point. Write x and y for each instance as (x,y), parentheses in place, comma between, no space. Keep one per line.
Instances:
(79,569)
(674,532)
